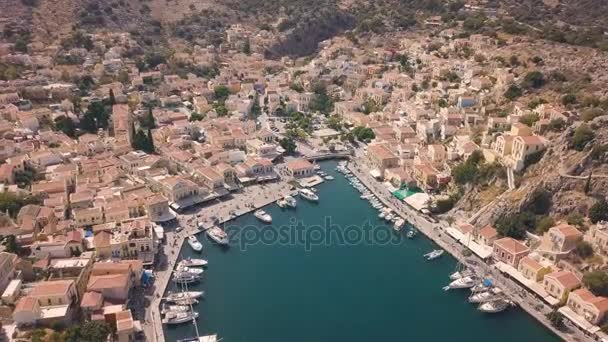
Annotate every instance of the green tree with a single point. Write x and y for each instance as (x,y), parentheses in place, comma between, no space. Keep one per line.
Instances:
(515,225)
(141,141)
(66,125)
(568,99)
(321,101)
(90,331)
(596,282)
(12,203)
(584,249)
(592,113)
(334,122)
(529,119)
(556,125)
(534,79)
(513,92)
(556,319)
(288,144)
(148,121)
(543,224)
(196,117)
(221,93)
(582,136)
(112,100)
(365,134)
(599,211)
(247,47)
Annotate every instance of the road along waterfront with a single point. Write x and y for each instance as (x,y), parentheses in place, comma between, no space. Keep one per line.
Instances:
(335,284)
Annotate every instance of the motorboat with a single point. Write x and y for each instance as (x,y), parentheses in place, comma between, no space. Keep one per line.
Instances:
(411,233)
(434,254)
(166,308)
(290,201)
(398,224)
(190,262)
(388,217)
(485,296)
(194,243)
(185,277)
(173,297)
(177,317)
(461,274)
(382,214)
(281,203)
(495,306)
(329,178)
(263,216)
(484,285)
(190,270)
(218,235)
(309,195)
(461,283)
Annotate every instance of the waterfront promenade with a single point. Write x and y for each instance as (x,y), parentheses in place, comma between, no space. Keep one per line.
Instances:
(436,233)
(245,201)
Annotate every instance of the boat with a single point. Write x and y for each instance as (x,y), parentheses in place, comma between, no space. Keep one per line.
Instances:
(381,215)
(483,286)
(329,178)
(194,243)
(461,274)
(177,317)
(316,167)
(263,216)
(461,283)
(495,306)
(399,224)
(218,235)
(411,233)
(166,308)
(281,203)
(189,262)
(172,297)
(434,254)
(388,217)
(485,296)
(185,277)
(207,338)
(290,201)
(309,195)
(190,270)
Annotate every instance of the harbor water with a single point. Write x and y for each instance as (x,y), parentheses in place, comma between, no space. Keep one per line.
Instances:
(332,284)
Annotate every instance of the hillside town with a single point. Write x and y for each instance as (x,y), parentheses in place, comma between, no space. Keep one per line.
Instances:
(104,152)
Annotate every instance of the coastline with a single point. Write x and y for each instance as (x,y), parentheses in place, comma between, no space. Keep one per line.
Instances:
(453,247)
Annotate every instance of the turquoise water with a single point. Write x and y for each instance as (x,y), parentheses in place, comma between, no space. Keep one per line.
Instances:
(339,291)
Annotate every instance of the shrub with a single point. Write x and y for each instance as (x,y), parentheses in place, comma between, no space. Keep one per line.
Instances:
(599,211)
(584,249)
(582,136)
(513,92)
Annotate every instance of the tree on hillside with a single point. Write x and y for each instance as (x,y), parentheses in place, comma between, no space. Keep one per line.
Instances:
(288,144)
(582,135)
(534,79)
(321,101)
(515,225)
(66,125)
(599,211)
(513,92)
(221,93)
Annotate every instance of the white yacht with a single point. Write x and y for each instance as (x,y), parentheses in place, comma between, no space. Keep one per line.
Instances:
(290,201)
(178,296)
(281,203)
(461,283)
(329,178)
(411,233)
(309,195)
(207,338)
(218,235)
(194,243)
(434,254)
(185,277)
(166,308)
(462,273)
(190,270)
(177,317)
(485,296)
(388,217)
(495,306)
(263,216)
(382,214)
(190,262)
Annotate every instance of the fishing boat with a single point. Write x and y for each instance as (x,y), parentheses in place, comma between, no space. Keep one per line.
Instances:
(218,235)
(172,297)
(185,277)
(495,306)
(194,243)
(485,296)
(281,203)
(309,195)
(263,216)
(190,262)
(190,270)
(411,233)
(177,317)
(434,254)
(398,224)
(461,283)
(290,201)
